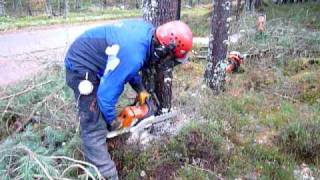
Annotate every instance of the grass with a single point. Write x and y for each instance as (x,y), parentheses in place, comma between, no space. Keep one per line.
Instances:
(307,13)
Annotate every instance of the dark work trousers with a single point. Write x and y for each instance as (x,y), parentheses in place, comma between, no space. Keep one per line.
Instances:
(93,128)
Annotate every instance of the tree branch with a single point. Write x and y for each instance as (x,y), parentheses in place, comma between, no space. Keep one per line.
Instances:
(24,91)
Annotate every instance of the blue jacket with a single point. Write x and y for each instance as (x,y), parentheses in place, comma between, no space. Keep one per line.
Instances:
(88,53)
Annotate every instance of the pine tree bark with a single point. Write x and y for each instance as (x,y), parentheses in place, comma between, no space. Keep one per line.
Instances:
(178,10)
(2,8)
(215,71)
(160,11)
(158,79)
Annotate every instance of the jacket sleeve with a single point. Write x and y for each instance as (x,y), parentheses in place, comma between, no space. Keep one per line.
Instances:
(112,85)
(110,88)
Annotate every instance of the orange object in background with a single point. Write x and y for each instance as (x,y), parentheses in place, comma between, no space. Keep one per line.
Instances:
(131,114)
(234,59)
(261,23)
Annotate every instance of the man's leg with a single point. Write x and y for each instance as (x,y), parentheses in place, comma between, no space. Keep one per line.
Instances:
(93,129)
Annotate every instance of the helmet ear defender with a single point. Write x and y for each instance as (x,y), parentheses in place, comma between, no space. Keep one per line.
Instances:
(162,51)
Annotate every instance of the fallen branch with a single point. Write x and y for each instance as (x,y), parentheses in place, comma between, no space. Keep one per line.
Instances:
(33,156)
(79,162)
(280,95)
(206,170)
(24,91)
(88,173)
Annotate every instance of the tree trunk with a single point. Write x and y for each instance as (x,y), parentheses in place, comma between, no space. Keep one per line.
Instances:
(48,8)
(159,11)
(215,71)
(2,8)
(178,10)
(29,8)
(137,4)
(78,4)
(249,4)
(64,8)
(257,4)
(158,78)
(190,3)
(238,9)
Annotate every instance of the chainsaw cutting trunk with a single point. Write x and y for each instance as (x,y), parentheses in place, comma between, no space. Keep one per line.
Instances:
(131,114)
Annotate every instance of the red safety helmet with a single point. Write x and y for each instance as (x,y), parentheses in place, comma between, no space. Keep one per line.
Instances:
(177,33)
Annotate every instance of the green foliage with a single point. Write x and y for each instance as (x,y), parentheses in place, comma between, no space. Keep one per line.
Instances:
(22,152)
(271,163)
(29,153)
(307,13)
(279,117)
(198,19)
(301,139)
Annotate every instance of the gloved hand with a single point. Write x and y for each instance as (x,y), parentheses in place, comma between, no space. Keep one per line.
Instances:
(115,125)
(142,97)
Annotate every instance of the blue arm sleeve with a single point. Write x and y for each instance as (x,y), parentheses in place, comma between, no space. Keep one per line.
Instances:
(110,88)
(112,85)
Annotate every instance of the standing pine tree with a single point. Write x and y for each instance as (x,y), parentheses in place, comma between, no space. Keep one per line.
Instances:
(215,71)
(158,79)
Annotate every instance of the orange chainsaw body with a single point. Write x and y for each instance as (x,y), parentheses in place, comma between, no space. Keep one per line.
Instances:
(131,114)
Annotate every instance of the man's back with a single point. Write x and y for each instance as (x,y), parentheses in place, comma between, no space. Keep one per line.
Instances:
(88,50)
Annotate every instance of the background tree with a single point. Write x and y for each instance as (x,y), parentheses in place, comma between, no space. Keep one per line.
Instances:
(29,7)
(238,9)
(158,81)
(215,73)
(77,4)
(64,8)
(249,5)
(49,8)
(2,8)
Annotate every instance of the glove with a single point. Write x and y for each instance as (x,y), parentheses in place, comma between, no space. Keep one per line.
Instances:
(115,125)
(142,97)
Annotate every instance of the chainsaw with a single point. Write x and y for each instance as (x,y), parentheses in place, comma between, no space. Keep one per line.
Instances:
(133,119)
